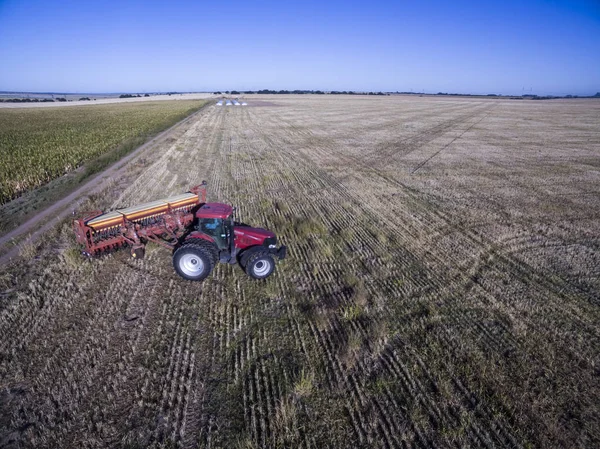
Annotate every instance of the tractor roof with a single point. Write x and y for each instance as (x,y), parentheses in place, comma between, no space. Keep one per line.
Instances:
(214,210)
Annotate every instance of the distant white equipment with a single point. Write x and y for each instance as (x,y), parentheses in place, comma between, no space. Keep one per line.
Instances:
(228,103)
(235,102)
(244,104)
(220,103)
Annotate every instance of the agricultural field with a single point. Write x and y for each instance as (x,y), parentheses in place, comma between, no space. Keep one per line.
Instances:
(442,288)
(41,144)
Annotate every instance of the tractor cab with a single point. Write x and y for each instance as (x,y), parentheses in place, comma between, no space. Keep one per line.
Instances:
(215,220)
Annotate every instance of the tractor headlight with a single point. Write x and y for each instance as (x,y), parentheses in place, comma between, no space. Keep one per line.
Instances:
(272,246)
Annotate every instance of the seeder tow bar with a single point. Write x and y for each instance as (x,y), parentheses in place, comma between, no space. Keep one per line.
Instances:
(199,233)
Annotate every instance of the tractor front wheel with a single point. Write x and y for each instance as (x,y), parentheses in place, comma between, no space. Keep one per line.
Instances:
(260,265)
(193,262)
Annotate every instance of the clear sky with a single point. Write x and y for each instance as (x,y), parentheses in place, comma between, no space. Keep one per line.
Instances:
(504,47)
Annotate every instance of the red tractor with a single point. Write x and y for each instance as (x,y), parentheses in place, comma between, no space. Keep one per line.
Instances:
(199,233)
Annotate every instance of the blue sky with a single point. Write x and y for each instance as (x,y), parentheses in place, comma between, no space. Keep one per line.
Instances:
(508,47)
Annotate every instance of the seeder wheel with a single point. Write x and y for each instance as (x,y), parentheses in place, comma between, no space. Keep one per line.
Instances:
(138,252)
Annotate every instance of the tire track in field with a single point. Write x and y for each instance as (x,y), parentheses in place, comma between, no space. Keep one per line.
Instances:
(487,111)
(475,238)
(429,211)
(381,159)
(24,320)
(384,154)
(324,341)
(129,387)
(96,368)
(509,344)
(518,273)
(260,388)
(261,425)
(75,363)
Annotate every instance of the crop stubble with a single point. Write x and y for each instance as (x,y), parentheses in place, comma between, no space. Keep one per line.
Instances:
(441,289)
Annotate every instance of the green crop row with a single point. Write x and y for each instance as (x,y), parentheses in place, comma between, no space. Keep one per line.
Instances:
(38,145)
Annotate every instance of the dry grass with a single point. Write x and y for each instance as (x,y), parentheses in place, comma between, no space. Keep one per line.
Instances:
(28,249)
(441,289)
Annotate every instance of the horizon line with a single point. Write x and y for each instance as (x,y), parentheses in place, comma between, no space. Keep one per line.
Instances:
(291,91)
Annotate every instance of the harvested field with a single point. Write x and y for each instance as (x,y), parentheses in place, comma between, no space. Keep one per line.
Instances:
(442,288)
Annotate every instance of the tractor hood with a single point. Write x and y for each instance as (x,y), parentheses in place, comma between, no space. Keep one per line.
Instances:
(248,236)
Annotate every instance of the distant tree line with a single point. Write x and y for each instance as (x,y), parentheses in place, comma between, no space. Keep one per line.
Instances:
(27,100)
(60,99)
(512,97)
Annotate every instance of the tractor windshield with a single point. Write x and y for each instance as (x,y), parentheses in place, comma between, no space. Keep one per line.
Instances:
(217,228)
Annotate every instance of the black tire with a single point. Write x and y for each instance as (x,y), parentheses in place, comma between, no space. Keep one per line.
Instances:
(193,261)
(208,246)
(260,265)
(247,253)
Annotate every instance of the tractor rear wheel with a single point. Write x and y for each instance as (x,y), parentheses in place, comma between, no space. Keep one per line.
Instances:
(201,243)
(260,265)
(193,262)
